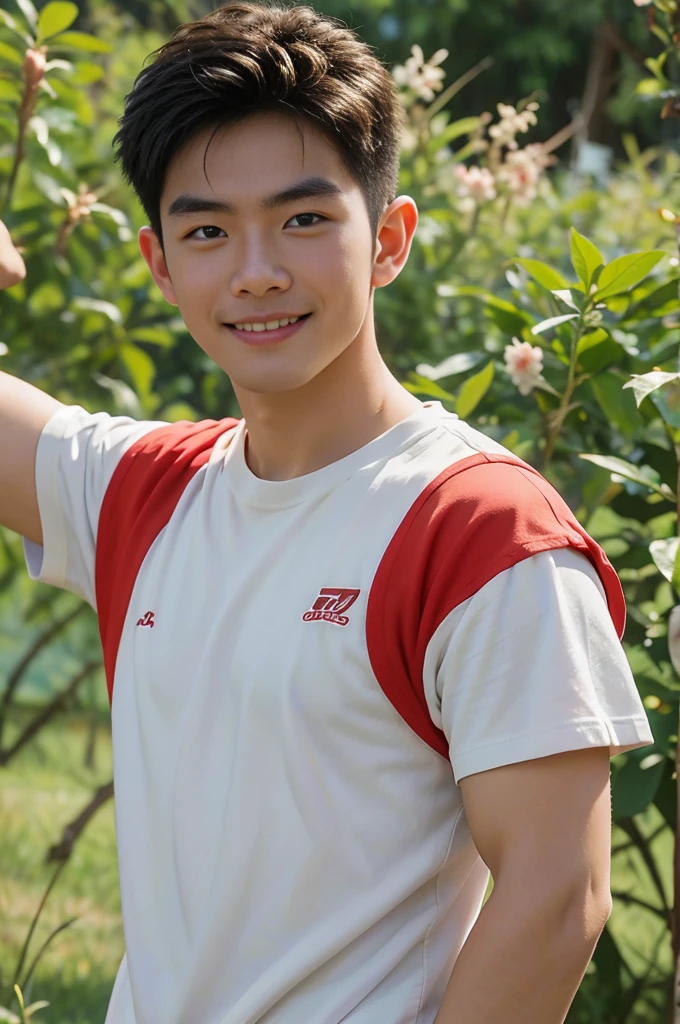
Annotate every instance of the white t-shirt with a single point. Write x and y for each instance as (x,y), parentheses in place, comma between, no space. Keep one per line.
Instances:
(302,672)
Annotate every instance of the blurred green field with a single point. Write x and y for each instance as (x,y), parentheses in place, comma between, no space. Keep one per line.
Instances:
(46,786)
(40,792)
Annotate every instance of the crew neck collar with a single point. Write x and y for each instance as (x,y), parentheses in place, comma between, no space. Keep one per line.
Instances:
(273,494)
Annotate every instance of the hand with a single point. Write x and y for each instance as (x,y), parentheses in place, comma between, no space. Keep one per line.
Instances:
(12,267)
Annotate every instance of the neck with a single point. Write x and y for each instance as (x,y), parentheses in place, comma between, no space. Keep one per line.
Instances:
(351,402)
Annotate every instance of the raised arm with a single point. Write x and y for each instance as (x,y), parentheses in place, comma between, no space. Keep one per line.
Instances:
(24,411)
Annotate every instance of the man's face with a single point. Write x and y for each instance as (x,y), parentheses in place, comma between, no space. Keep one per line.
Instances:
(266,256)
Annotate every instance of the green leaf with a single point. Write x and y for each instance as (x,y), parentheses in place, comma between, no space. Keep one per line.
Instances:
(623,273)
(667,401)
(644,475)
(545,275)
(29,12)
(634,788)
(617,405)
(675,577)
(10,55)
(649,87)
(13,25)
(565,296)
(585,257)
(666,795)
(596,350)
(10,90)
(418,385)
(464,126)
(458,363)
(99,306)
(608,962)
(56,17)
(82,41)
(644,384)
(473,391)
(664,554)
(124,397)
(504,314)
(31,1010)
(155,336)
(141,368)
(86,74)
(554,321)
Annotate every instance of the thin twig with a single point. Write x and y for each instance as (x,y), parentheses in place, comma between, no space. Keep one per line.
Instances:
(47,713)
(62,850)
(16,676)
(630,827)
(459,84)
(34,922)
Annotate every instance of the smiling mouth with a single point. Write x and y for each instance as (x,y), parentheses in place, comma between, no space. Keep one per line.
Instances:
(262,324)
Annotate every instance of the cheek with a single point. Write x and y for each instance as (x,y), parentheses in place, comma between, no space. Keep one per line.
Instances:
(345,267)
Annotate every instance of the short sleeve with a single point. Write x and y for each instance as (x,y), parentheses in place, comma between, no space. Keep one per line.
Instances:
(531,665)
(77,455)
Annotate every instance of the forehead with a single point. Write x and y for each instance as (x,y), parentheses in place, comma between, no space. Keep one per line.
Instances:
(255,157)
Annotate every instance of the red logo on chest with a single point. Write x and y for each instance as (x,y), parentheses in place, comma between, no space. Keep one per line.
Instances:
(148,619)
(330,605)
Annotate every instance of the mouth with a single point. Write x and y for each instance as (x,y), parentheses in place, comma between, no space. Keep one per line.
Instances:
(260,334)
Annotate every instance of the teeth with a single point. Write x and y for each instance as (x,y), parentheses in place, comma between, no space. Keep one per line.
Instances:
(270,325)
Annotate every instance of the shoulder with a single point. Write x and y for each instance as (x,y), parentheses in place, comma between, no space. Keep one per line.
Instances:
(479,516)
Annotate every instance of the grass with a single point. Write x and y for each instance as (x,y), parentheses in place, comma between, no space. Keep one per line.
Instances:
(47,785)
(40,792)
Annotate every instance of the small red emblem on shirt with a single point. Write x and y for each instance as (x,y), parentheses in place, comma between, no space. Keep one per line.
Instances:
(330,605)
(147,620)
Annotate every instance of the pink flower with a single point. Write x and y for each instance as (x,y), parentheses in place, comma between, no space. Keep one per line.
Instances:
(524,363)
(642,3)
(476,183)
(522,170)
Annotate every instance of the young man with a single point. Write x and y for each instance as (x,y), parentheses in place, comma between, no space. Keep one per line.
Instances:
(359,654)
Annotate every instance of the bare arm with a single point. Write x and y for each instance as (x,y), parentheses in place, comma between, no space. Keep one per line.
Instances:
(543,827)
(24,411)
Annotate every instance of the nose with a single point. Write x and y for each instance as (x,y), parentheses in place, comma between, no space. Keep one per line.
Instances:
(258,269)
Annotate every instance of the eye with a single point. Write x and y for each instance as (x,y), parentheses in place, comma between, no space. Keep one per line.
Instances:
(205,227)
(302,216)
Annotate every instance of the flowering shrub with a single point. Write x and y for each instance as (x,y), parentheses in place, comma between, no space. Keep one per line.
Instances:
(550,314)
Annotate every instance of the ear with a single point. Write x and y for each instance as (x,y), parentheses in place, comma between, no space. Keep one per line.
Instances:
(153,254)
(395,233)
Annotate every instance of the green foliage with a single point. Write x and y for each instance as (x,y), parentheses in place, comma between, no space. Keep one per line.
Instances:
(584,280)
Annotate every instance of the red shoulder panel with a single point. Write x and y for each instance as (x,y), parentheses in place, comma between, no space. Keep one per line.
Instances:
(479,517)
(143,493)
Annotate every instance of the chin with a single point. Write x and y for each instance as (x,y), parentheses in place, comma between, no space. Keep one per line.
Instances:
(275,382)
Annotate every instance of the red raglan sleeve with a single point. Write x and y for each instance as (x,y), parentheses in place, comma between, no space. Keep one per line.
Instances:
(495,623)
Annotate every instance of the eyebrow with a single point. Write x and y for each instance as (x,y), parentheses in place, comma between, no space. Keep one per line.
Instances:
(308,188)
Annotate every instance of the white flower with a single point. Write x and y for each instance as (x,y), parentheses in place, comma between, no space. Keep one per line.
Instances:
(642,3)
(524,363)
(422,77)
(476,183)
(511,123)
(522,170)
(3,349)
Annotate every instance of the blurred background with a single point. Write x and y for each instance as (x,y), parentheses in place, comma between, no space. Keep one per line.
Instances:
(540,303)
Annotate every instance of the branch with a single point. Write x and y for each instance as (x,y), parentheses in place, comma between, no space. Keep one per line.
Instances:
(627,898)
(62,850)
(630,827)
(47,713)
(35,648)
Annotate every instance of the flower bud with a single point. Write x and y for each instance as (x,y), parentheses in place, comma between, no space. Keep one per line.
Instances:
(34,67)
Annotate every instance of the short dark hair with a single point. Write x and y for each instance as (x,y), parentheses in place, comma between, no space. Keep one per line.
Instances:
(247,58)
